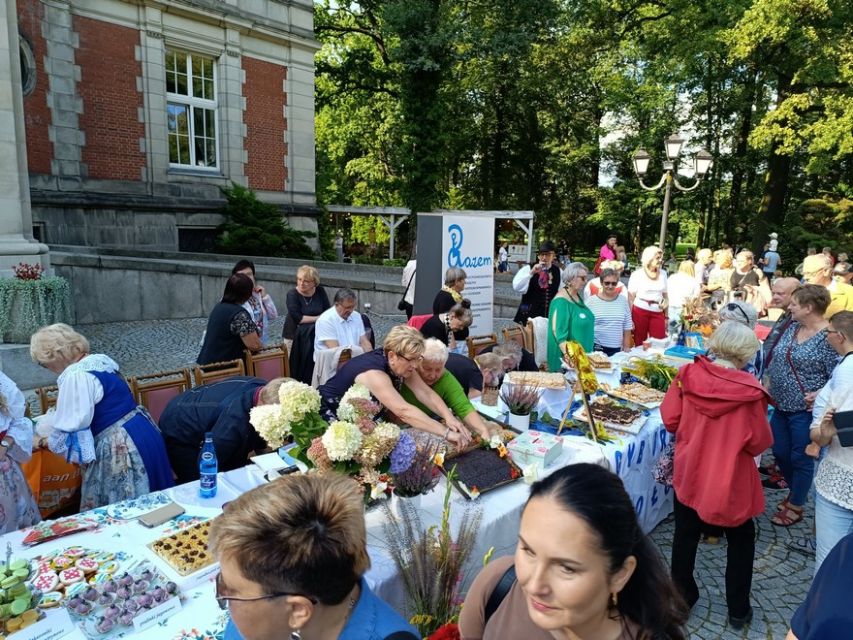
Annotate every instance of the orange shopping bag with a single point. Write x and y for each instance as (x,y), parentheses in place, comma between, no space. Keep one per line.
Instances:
(54,482)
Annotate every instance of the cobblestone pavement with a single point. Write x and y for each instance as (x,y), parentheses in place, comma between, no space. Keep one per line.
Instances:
(782,576)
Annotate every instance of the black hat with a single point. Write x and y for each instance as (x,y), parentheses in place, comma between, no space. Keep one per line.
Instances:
(546,247)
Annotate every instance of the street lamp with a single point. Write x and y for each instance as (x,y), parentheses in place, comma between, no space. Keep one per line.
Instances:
(702,162)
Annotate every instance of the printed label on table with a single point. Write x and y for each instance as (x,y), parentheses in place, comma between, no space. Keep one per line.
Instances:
(55,626)
(157,614)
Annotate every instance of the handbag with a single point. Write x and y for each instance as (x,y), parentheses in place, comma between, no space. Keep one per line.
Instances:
(662,470)
(403,305)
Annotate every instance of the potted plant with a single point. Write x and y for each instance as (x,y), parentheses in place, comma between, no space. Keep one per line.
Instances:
(521,400)
(419,477)
(30,301)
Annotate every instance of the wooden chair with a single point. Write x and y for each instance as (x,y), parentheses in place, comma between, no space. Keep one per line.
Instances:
(216,371)
(477,343)
(268,363)
(156,390)
(515,334)
(47,397)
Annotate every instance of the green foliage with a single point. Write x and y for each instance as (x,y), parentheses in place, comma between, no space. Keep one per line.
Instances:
(256,228)
(28,305)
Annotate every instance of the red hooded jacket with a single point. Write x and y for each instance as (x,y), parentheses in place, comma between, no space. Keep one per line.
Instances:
(719,417)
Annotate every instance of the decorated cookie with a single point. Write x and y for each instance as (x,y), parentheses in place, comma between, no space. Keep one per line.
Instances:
(104,556)
(109,567)
(61,562)
(88,565)
(50,599)
(46,581)
(75,552)
(99,578)
(75,589)
(70,576)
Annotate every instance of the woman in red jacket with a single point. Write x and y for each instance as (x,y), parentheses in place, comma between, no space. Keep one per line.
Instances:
(719,416)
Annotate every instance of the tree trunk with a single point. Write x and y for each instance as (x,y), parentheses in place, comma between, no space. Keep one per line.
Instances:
(771,212)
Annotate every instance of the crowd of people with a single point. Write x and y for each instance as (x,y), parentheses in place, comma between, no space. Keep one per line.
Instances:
(582,567)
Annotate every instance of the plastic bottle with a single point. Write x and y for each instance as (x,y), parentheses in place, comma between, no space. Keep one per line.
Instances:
(207,466)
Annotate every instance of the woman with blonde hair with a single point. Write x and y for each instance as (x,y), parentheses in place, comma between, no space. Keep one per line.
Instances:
(681,287)
(718,414)
(98,424)
(384,371)
(292,557)
(305,303)
(18,508)
(720,278)
(647,295)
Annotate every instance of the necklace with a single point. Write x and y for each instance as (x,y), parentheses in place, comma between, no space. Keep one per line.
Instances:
(571,295)
(308,300)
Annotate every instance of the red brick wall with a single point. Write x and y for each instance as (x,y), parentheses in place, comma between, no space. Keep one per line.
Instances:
(37,116)
(110,118)
(265,124)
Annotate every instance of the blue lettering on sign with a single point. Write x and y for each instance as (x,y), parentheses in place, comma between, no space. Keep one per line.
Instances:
(666,490)
(618,456)
(642,448)
(654,495)
(631,448)
(639,506)
(454,254)
(662,434)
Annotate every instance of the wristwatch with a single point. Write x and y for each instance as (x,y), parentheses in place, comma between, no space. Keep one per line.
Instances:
(5,443)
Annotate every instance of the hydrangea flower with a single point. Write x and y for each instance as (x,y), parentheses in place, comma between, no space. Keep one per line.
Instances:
(403,453)
(297,400)
(350,409)
(341,440)
(269,423)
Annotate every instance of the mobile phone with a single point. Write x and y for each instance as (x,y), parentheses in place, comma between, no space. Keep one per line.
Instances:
(161,515)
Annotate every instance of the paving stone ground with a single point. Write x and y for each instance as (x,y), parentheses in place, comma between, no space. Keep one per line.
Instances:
(781,576)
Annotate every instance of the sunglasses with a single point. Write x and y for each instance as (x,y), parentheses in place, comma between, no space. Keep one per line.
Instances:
(731,306)
(609,284)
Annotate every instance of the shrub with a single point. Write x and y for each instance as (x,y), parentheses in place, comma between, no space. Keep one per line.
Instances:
(256,228)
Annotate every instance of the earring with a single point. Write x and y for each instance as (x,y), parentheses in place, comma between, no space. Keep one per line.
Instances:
(296,635)
(614,599)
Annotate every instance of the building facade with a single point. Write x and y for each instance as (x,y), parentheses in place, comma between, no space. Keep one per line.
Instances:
(138,111)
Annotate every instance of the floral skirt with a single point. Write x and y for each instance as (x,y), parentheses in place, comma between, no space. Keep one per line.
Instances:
(18,508)
(118,472)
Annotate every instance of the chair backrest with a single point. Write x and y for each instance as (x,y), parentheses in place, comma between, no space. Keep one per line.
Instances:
(156,390)
(346,356)
(268,363)
(477,343)
(215,371)
(529,337)
(47,397)
(515,334)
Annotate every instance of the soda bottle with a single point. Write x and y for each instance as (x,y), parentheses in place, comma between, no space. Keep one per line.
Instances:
(207,467)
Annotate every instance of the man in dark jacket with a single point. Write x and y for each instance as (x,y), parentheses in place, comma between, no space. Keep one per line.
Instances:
(221,408)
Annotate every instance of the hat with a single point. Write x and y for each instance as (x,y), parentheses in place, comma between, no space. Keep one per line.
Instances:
(739,311)
(546,247)
(774,235)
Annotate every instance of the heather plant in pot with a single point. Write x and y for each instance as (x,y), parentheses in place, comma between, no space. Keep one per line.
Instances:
(521,400)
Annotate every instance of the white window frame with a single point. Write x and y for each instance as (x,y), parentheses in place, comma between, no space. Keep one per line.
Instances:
(192,103)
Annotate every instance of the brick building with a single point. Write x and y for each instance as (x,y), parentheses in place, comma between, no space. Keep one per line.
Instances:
(137,111)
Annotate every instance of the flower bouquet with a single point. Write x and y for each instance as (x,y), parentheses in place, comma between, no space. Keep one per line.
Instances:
(421,476)
(359,446)
(296,417)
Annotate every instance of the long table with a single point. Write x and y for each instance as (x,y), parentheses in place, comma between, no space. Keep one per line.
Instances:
(632,458)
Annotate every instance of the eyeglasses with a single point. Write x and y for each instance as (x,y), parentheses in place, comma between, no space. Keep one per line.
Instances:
(731,306)
(223,601)
(609,284)
(417,360)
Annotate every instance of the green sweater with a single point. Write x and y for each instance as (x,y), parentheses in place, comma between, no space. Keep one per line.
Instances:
(575,321)
(449,390)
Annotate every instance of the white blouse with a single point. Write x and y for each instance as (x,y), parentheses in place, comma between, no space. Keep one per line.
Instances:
(19,428)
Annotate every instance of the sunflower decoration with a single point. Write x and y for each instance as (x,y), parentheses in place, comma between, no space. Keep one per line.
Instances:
(576,358)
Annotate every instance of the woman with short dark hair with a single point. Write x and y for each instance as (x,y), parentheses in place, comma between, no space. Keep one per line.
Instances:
(447,326)
(259,305)
(293,554)
(583,568)
(230,329)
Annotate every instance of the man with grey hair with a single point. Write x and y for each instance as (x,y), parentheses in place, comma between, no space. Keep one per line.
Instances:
(513,356)
(341,325)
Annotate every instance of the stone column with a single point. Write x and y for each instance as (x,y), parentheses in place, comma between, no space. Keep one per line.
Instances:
(16,218)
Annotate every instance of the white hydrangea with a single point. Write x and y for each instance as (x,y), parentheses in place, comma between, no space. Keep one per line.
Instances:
(341,440)
(345,410)
(297,400)
(387,431)
(268,421)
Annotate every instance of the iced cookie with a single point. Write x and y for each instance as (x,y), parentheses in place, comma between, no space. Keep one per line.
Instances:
(50,599)
(75,552)
(61,562)
(87,565)
(70,576)
(46,581)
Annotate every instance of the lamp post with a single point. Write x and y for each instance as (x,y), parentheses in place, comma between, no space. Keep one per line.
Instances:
(702,163)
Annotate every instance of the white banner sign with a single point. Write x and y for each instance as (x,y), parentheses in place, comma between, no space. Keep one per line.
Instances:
(468,242)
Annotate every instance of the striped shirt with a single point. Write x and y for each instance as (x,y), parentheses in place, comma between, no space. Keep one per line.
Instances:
(612,319)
